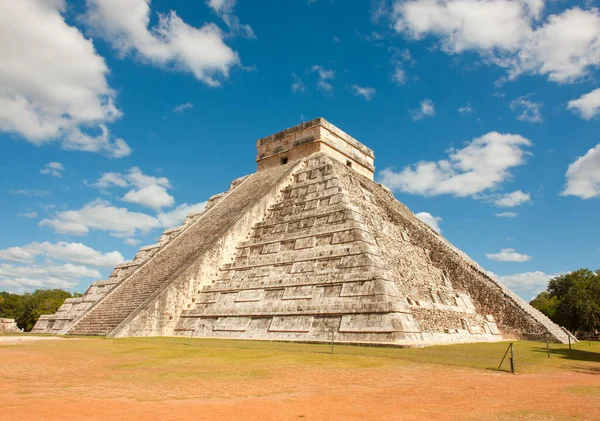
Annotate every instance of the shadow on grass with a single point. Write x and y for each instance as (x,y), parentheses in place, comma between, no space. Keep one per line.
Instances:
(585,369)
(573,354)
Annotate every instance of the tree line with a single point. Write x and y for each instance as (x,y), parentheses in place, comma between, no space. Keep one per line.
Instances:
(27,308)
(572,300)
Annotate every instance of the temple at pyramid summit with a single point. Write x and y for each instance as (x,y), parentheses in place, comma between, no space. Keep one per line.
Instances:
(306,248)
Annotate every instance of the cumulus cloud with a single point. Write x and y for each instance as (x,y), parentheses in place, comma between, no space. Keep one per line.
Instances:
(147,190)
(54,169)
(101,215)
(427,109)
(483,164)
(155,197)
(182,107)
(42,99)
(508,33)
(66,252)
(506,215)
(587,106)
(432,221)
(583,176)
(177,215)
(510,200)
(119,222)
(171,43)
(508,255)
(132,241)
(323,75)
(365,91)
(526,284)
(527,110)
(18,279)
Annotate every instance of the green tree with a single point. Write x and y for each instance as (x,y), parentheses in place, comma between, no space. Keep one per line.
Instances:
(27,308)
(572,300)
(545,303)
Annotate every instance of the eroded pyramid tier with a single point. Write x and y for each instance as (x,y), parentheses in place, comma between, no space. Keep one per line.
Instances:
(450,296)
(314,267)
(310,268)
(142,280)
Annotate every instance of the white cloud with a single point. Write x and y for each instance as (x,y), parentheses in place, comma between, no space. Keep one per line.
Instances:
(526,284)
(54,169)
(171,44)
(100,143)
(508,255)
(399,75)
(583,176)
(19,279)
(297,85)
(100,215)
(148,190)
(176,216)
(587,106)
(467,109)
(119,222)
(110,179)
(427,109)
(399,59)
(224,9)
(506,215)
(66,252)
(527,110)
(153,196)
(182,107)
(324,75)
(30,192)
(44,100)
(483,164)
(132,241)
(432,221)
(508,33)
(510,200)
(366,92)
(30,215)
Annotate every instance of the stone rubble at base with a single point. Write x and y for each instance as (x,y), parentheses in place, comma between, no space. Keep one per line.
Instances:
(307,247)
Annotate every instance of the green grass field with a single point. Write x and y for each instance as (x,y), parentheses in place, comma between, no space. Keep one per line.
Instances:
(530,357)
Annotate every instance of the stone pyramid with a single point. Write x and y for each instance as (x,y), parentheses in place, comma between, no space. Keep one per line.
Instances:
(306,249)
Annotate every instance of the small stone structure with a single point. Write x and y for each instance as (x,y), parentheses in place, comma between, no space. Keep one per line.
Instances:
(8,326)
(307,247)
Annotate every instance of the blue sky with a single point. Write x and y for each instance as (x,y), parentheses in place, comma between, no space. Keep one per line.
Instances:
(117,117)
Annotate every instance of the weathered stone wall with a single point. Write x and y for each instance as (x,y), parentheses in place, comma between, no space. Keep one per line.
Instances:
(235,215)
(314,136)
(309,269)
(8,326)
(449,270)
(436,305)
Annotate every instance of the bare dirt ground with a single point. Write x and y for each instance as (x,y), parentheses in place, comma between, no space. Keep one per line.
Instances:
(160,380)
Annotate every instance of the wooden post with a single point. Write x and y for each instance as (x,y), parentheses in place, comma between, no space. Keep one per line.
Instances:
(332,341)
(547,348)
(569,336)
(512,359)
